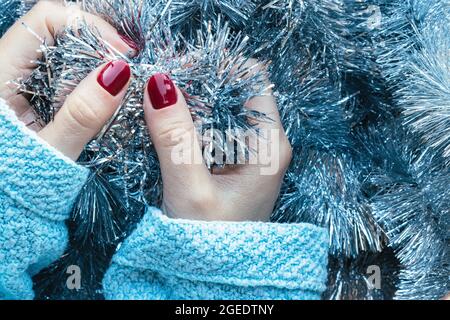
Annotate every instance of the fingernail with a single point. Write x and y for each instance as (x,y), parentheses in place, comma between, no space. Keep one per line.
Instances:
(162,91)
(114,76)
(130,43)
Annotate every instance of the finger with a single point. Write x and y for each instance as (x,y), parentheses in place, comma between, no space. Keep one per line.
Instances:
(265,104)
(174,136)
(271,146)
(267,107)
(18,47)
(90,106)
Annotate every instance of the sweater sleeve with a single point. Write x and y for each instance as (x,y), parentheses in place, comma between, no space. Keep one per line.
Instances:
(181,259)
(38,186)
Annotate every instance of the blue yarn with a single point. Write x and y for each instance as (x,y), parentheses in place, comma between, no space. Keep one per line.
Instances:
(38,187)
(163,258)
(182,259)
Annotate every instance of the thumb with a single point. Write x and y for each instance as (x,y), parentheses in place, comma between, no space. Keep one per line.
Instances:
(174,136)
(88,108)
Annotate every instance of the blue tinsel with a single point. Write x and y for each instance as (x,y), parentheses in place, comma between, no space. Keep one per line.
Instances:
(363,89)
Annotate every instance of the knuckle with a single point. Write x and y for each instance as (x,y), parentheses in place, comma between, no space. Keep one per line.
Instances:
(176,133)
(81,113)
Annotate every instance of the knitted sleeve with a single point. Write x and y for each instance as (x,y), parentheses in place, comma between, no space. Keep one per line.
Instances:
(38,187)
(181,259)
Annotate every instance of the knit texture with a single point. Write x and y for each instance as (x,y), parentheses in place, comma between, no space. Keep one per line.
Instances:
(182,259)
(163,258)
(38,186)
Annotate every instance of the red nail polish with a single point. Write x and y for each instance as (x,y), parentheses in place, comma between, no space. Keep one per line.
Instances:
(114,76)
(161,91)
(130,43)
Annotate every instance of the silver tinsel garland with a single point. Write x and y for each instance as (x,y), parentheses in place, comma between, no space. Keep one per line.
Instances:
(425,95)
(10,10)
(363,92)
(414,199)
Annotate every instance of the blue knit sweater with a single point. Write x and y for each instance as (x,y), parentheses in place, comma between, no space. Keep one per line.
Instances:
(163,258)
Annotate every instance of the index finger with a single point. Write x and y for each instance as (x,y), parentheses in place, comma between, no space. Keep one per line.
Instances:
(19,47)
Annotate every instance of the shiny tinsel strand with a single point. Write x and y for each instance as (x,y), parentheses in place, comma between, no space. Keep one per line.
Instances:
(415,232)
(347,75)
(193,12)
(321,188)
(313,112)
(211,71)
(370,276)
(341,28)
(10,10)
(312,106)
(209,76)
(414,59)
(425,95)
(413,199)
(412,203)
(52,282)
(133,19)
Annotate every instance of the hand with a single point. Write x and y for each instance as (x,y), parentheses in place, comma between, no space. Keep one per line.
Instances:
(91,104)
(190,191)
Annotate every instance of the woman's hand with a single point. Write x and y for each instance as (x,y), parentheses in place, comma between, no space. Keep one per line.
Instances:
(91,104)
(236,193)
(240,192)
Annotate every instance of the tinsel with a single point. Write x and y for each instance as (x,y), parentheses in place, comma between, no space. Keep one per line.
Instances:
(412,203)
(425,95)
(363,93)
(190,13)
(413,197)
(10,10)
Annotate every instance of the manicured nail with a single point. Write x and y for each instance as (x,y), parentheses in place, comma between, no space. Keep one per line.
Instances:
(162,91)
(114,76)
(130,43)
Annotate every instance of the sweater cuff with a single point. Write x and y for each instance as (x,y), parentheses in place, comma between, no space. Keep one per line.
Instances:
(34,174)
(290,256)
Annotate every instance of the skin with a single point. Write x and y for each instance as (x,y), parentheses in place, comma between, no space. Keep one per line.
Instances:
(237,193)
(80,118)
(190,191)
